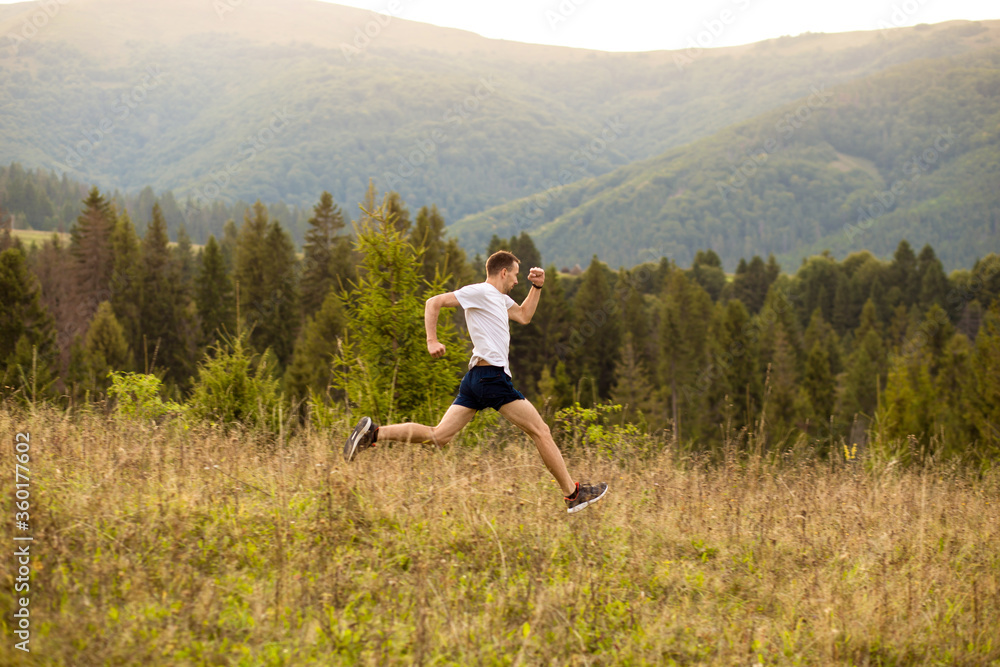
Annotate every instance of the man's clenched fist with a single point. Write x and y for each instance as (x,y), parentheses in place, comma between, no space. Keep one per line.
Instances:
(536,276)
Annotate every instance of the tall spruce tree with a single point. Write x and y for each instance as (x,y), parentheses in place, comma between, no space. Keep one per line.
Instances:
(321,258)
(985,380)
(184,254)
(126,295)
(278,323)
(686,311)
(632,387)
(751,282)
(310,371)
(735,363)
(93,262)
(598,328)
(818,388)
(214,295)
(166,329)
(106,348)
(905,274)
(28,352)
(933,281)
(228,244)
(384,367)
(706,270)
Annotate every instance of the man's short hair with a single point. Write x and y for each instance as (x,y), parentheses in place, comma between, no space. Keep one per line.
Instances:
(500,260)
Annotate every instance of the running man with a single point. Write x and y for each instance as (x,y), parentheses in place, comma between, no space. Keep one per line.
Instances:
(488,307)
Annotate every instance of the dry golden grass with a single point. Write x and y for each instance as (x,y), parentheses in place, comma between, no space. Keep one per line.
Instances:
(157,545)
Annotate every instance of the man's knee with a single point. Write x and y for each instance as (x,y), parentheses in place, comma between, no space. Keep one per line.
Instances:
(538,429)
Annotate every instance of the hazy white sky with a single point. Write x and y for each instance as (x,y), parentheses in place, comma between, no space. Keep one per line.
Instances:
(642,25)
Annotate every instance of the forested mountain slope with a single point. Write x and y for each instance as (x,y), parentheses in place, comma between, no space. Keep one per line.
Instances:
(913,152)
(281,100)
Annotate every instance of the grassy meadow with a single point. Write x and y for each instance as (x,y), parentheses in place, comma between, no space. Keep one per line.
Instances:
(160,545)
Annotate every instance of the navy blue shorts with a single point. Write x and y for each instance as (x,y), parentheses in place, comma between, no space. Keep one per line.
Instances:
(486,387)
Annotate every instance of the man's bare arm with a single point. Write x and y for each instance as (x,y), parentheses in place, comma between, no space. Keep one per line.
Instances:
(526,310)
(431,311)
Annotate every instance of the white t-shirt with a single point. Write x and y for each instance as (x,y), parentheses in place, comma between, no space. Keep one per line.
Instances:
(489,326)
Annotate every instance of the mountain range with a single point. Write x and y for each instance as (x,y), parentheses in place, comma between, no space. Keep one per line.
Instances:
(615,154)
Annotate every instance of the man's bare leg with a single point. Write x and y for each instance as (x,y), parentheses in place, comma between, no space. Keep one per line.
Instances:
(523,414)
(453,421)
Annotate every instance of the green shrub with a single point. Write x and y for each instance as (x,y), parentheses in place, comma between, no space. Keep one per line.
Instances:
(235,386)
(137,396)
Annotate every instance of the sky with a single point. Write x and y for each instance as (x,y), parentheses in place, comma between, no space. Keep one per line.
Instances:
(645,25)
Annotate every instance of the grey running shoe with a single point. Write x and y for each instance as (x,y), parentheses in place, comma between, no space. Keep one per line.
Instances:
(586,494)
(362,438)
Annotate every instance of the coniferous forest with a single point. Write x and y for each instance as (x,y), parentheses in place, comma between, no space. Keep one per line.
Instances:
(825,354)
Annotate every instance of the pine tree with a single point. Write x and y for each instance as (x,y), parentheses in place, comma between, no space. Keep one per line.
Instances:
(229,244)
(322,240)
(735,362)
(866,368)
(93,263)
(165,326)
(953,387)
(782,384)
(126,295)
(279,322)
(706,270)
(106,348)
(751,283)
(555,389)
(184,256)
(933,281)
(553,322)
(310,370)
(598,328)
(384,367)
(632,388)
(428,235)
(686,311)
(820,331)
(818,385)
(985,380)
(214,295)
(27,332)
(904,273)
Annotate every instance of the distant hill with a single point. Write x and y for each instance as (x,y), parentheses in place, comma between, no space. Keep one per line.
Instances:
(186,93)
(814,174)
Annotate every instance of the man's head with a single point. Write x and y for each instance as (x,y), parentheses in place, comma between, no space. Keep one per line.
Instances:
(501,270)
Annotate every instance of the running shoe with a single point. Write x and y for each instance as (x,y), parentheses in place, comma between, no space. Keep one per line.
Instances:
(586,494)
(362,438)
